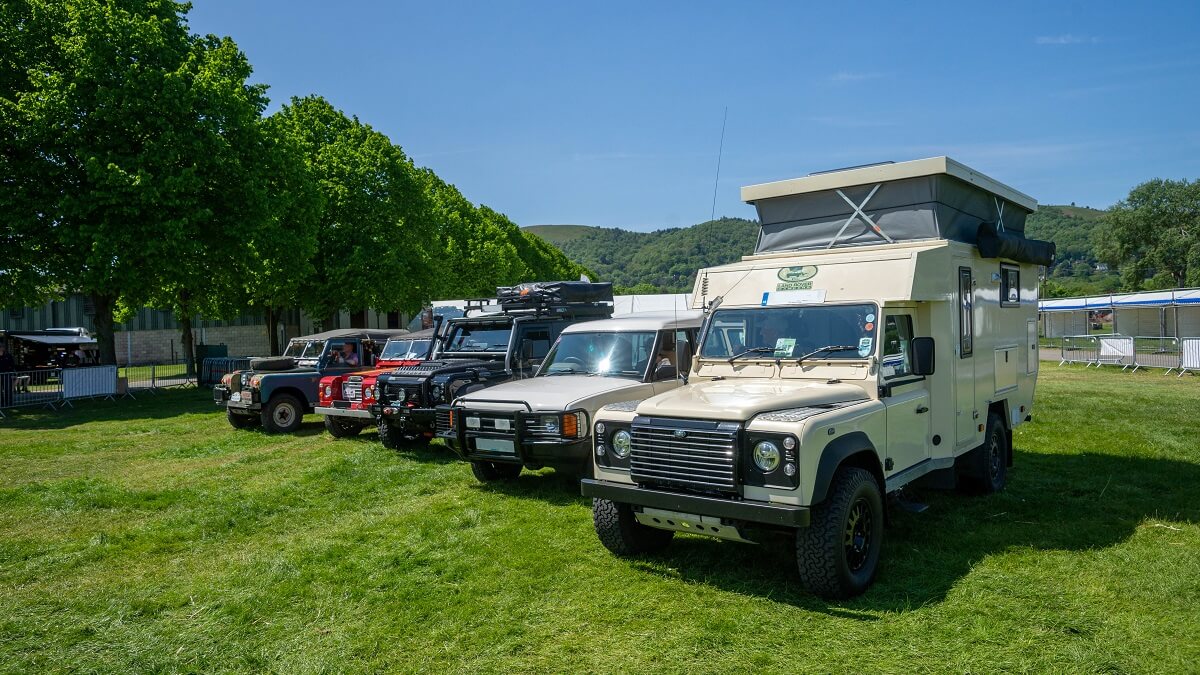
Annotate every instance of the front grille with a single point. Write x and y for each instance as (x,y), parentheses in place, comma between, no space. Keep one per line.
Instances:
(490,423)
(684,453)
(441,421)
(352,389)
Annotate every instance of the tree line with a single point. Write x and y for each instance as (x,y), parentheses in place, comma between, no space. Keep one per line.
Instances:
(138,168)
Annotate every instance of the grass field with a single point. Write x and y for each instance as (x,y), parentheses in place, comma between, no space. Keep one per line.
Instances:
(148,535)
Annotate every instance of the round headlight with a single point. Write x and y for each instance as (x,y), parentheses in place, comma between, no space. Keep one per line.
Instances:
(789,443)
(437,391)
(789,469)
(766,456)
(367,393)
(621,443)
(550,422)
(328,391)
(599,428)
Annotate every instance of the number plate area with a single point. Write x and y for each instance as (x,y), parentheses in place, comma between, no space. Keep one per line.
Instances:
(495,446)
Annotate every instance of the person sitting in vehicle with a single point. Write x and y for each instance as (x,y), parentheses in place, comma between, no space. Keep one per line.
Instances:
(348,356)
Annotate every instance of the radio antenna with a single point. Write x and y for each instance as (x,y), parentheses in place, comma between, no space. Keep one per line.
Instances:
(720,151)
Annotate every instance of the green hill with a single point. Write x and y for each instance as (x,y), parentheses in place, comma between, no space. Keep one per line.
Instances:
(559,234)
(666,260)
(663,261)
(1070,227)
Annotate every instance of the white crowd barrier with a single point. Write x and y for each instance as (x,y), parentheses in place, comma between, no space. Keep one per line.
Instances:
(1115,350)
(31,388)
(98,381)
(1189,355)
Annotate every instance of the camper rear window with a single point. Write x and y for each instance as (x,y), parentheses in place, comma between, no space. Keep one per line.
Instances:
(1010,286)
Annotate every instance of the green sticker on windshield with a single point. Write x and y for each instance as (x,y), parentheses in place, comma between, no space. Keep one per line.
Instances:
(784,347)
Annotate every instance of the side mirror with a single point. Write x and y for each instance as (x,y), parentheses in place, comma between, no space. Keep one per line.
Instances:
(664,372)
(684,355)
(526,350)
(922,356)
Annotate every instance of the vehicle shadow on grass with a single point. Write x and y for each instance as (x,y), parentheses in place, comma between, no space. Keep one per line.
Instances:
(162,404)
(559,488)
(1053,503)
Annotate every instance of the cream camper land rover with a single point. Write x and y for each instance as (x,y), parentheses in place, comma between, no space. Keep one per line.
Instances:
(883,332)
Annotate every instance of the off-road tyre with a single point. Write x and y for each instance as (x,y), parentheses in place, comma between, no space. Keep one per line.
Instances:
(273,363)
(622,534)
(389,435)
(342,428)
(838,553)
(990,460)
(238,421)
(491,472)
(282,414)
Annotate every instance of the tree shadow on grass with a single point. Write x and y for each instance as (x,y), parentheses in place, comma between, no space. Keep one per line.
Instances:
(161,404)
(1053,503)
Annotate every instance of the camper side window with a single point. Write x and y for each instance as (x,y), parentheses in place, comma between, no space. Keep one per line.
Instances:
(897,341)
(966,321)
(1010,286)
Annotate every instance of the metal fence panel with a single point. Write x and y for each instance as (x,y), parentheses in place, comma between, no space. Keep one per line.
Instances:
(89,382)
(1115,350)
(1156,352)
(1079,349)
(1189,355)
(213,369)
(31,387)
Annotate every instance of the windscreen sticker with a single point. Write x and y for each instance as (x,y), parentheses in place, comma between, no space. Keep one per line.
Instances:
(864,346)
(869,326)
(784,347)
(869,318)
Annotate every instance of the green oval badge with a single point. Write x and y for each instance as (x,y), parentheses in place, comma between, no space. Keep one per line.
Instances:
(801,273)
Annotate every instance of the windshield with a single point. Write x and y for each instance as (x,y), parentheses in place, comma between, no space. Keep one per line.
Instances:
(486,338)
(304,349)
(395,350)
(617,354)
(791,332)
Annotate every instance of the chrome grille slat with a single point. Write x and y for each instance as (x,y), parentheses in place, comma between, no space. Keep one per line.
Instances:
(681,453)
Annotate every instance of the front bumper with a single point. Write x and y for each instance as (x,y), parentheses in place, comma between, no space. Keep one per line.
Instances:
(344,412)
(785,515)
(244,401)
(412,420)
(571,453)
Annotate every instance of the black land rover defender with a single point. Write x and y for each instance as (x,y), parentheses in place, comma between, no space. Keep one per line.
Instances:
(483,349)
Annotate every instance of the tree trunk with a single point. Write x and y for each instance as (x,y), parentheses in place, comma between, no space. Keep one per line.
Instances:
(273,329)
(189,348)
(103,323)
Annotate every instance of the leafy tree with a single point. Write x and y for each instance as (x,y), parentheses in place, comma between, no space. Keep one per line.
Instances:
(131,150)
(1154,231)
(375,233)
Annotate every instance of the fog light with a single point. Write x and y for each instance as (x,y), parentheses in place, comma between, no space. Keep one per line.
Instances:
(599,428)
(622,443)
(789,443)
(599,450)
(766,456)
(789,469)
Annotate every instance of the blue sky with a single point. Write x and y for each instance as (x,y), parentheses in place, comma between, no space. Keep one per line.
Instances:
(610,113)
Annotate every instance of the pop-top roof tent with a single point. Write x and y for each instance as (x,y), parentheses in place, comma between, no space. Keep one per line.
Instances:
(935,198)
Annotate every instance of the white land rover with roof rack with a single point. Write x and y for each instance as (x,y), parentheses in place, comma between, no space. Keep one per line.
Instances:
(814,392)
(544,420)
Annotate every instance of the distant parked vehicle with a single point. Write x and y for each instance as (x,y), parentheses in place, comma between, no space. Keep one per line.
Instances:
(277,392)
(346,399)
(545,420)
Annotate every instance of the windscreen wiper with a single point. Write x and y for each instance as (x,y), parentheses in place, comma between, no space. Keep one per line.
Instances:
(828,349)
(752,350)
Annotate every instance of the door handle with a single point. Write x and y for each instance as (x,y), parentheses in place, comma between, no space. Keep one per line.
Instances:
(922,409)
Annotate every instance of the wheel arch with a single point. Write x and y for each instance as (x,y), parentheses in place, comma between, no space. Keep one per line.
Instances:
(1001,408)
(293,391)
(852,449)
